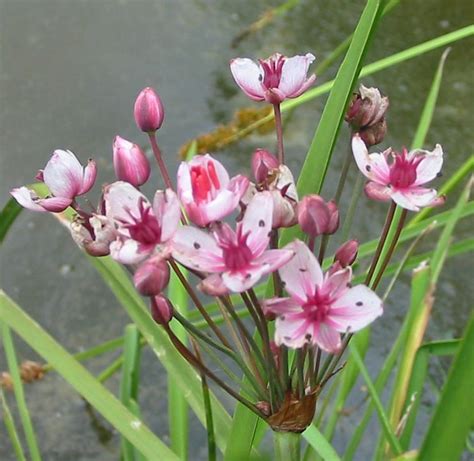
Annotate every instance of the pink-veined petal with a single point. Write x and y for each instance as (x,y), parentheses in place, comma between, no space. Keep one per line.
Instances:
(223,205)
(184,188)
(308,83)
(373,166)
(378,192)
(221,172)
(196,249)
(358,307)
(26,198)
(302,273)
(89,176)
(257,222)
(54,204)
(122,200)
(280,306)
(238,185)
(63,174)
(129,251)
(213,286)
(336,284)
(415,198)
(167,211)
(248,75)
(293,74)
(271,260)
(430,166)
(291,330)
(238,281)
(327,338)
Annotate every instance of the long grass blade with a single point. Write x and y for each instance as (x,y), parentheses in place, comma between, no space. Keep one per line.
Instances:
(320,444)
(83,382)
(11,429)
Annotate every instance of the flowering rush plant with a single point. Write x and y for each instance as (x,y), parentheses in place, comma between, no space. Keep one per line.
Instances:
(224,236)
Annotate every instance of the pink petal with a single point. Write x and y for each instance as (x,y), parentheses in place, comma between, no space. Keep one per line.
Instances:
(378,192)
(336,284)
(238,281)
(213,286)
(293,75)
(26,198)
(257,222)
(430,166)
(185,189)
(291,330)
(274,259)
(63,174)
(415,198)
(90,174)
(302,273)
(196,249)
(129,251)
(122,200)
(281,306)
(247,74)
(221,172)
(327,338)
(358,307)
(54,204)
(373,166)
(168,212)
(238,185)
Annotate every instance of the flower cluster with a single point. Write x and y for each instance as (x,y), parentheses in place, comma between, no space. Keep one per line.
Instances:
(225,230)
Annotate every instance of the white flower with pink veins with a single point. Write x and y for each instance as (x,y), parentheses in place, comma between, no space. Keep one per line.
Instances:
(320,306)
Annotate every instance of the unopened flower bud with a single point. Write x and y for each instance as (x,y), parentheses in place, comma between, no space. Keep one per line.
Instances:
(317,217)
(347,253)
(148,111)
(130,163)
(263,162)
(374,134)
(94,234)
(152,277)
(161,310)
(368,107)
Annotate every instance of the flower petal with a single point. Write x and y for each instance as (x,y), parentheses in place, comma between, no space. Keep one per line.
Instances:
(415,198)
(373,166)
(122,201)
(336,283)
(129,251)
(302,273)
(168,212)
(272,260)
(238,281)
(376,191)
(291,330)
(63,174)
(54,204)
(430,166)
(293,75)
(196,249)
(26,198)
(280,306)
(247,74)
(89,176)
(358,307)
(327,338)
(257,222)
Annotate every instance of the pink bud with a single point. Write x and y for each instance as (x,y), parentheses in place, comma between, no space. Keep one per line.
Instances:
(347,253)
(374,134)
(130,163)
(152,277)
(148,110)
(213,286)
(262,164)
(161,310)
(316,217)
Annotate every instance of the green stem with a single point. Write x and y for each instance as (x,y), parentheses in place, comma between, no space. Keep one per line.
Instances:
(287,446)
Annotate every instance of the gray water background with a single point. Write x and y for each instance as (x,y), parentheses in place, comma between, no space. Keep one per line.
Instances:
(70,71)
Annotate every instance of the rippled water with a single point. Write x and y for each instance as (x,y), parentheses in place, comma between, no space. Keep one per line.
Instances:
(69,75)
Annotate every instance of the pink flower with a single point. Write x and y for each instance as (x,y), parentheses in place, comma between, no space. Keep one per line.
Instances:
(205,190)
(320,306)
(274,79)
(148,111)
(401,180)
(130,163)
(142,228)
(316,216)
(263,164)
(241,256)
(65,177)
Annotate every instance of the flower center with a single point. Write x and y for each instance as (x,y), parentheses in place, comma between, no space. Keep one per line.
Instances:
(403,170)
(144,228)
(317,307)
(204,181)
(272,71)
(236,253)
